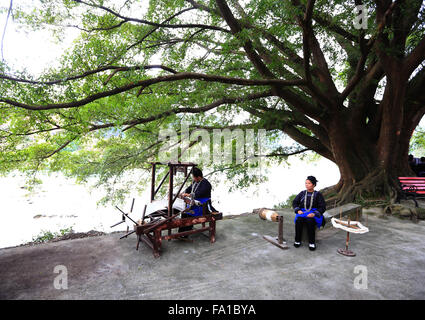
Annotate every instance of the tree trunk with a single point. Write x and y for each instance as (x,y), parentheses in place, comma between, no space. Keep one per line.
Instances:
(369,165)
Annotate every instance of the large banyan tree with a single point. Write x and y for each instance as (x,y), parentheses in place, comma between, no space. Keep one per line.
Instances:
(351,88)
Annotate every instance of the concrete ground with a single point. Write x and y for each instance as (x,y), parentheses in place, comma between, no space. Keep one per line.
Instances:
(240,265)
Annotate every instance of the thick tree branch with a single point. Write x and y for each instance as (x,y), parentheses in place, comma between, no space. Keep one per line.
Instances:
(326,22)
(360,71)
(383,13)
(415,96)
(309,142)
(416,57)
(213,105)
(312,46)
(148,82)
(88,73)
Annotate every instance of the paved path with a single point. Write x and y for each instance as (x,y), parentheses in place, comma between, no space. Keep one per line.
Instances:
(240,265)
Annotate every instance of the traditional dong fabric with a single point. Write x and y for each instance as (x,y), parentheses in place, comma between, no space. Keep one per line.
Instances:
(197,210)
(319,220)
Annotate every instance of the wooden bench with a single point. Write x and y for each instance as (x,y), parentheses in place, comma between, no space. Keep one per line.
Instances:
(411,187)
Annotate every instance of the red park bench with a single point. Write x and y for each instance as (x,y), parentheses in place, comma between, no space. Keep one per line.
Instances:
(411,187)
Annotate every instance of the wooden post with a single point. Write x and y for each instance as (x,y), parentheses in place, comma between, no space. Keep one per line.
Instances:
(280,234)
(158,239)
(347,240)
(143,215)
(153,182)
(138,241)
(212,231)
(170,191)
(170,195)
(181,187)
(160,184)
(348,237)
(367,219)
(156,243)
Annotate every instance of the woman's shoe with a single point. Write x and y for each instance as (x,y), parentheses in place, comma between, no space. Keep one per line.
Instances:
(297,244)
(312,246)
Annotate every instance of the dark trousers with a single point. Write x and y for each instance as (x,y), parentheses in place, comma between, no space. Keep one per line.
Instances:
(187,228)
(311,229)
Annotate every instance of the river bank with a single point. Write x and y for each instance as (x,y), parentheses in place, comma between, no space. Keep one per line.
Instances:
(60,203)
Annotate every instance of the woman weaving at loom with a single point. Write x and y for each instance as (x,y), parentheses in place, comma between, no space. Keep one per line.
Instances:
(200,189)
(309,206)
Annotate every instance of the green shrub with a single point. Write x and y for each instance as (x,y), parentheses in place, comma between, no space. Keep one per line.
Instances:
(65,231)
(48,235)
(43,236)
(285,204)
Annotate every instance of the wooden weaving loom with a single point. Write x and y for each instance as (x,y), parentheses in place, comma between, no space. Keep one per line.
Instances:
(150,227)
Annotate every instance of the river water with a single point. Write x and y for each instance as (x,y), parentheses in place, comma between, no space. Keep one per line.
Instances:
(60,203)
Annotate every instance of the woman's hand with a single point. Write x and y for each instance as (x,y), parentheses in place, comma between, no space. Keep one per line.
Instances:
(311,215)
(300,212)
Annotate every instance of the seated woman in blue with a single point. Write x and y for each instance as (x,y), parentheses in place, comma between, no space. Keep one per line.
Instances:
(200,189)
(309,206)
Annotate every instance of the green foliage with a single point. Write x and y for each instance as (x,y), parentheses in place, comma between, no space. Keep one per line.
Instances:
(45,236)
(285,204)
(417,143)
(105,138)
